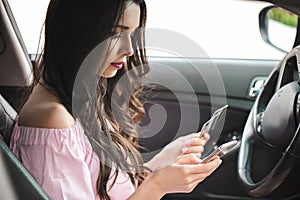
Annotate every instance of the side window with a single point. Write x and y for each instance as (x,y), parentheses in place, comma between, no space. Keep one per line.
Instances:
(222,28)
(30,16)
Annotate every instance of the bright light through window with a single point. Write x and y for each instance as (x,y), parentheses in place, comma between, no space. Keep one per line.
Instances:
(223,28)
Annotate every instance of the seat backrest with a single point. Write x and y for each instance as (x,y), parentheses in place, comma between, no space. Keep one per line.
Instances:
(7,119)
(16,182)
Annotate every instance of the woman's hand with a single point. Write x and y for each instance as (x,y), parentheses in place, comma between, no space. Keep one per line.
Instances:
(181,176)
(189,144)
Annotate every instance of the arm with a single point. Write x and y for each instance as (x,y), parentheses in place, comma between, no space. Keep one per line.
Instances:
(182,176)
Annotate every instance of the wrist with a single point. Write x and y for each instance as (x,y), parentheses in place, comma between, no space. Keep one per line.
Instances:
(153,163)
(153,186)
(150,188)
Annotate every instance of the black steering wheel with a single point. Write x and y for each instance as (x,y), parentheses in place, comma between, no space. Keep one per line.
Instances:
(274,119)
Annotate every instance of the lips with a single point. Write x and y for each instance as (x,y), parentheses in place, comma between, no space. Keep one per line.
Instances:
(117,65)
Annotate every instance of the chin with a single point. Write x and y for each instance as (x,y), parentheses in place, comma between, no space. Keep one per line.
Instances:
(109,75)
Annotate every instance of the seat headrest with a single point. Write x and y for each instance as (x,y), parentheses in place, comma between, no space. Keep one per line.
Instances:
(7,119)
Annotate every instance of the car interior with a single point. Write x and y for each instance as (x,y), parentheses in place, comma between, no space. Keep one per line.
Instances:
(263,114)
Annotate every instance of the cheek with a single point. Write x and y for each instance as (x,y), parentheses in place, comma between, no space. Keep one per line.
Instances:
(106,65)
(108,70)
(114,51)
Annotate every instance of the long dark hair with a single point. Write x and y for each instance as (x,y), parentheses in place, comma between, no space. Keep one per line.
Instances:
(73,28)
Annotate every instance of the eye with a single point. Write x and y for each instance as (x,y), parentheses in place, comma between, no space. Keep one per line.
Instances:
(134,35)
(116,35)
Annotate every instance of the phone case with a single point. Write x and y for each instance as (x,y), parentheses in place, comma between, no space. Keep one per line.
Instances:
(220,151)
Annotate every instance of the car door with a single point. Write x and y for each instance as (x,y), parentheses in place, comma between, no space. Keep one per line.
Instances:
(191,80)
(174,111)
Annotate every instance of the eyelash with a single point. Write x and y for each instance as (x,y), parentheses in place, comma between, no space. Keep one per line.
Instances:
(116,35)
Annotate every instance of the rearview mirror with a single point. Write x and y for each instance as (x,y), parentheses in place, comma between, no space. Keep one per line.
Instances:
(278,27)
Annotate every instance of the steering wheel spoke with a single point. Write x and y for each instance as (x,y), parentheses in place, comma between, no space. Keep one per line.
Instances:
(290,68)
(259,120)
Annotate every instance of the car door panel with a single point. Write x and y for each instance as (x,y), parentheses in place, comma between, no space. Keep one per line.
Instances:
(167,108)
(198,99)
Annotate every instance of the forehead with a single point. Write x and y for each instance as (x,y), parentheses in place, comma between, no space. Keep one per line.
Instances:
(131,16)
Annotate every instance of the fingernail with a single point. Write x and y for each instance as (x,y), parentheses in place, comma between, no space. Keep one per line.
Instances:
(198,160)
(206,135)
(198,134)
(183,150)
(220,161)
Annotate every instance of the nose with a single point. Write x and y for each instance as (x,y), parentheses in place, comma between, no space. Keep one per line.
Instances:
(126,47)
(129,53)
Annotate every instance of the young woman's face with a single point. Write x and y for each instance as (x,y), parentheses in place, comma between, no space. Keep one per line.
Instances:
(121,44)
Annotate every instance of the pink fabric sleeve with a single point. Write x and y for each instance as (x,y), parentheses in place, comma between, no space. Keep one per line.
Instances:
(59,160)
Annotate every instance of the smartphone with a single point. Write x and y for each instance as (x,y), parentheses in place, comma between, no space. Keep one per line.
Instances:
(220,151)
(214,120)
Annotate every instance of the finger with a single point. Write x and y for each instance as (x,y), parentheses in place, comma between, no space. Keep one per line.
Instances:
(205,136)
(197,135)
(188,139)
(194,135)
(196,141)
(219,161)
(188,159)
(206,168)
(198,177)
(191,136)
(196,145)
(193,149)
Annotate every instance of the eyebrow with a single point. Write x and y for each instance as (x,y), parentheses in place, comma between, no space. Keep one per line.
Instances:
(122,27)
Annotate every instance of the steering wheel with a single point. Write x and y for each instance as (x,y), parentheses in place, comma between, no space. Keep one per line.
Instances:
(273,119)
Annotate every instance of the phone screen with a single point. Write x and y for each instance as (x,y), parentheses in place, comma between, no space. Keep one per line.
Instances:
(214,120)
(212,126)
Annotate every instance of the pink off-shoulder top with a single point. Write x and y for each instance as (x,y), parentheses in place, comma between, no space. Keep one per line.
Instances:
(63,162)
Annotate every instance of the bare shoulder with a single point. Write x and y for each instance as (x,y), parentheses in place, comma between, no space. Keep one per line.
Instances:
(43,111)
(46,115)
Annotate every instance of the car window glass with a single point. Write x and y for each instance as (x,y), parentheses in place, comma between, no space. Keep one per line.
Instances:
(30,16)
(223,28)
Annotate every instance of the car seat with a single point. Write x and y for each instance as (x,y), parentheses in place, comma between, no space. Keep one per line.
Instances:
(16,182)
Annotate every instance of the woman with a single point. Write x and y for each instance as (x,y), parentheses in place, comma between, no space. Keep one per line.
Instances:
(77,132)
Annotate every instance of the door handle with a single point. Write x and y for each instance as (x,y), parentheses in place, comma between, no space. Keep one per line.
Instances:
(256,86)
